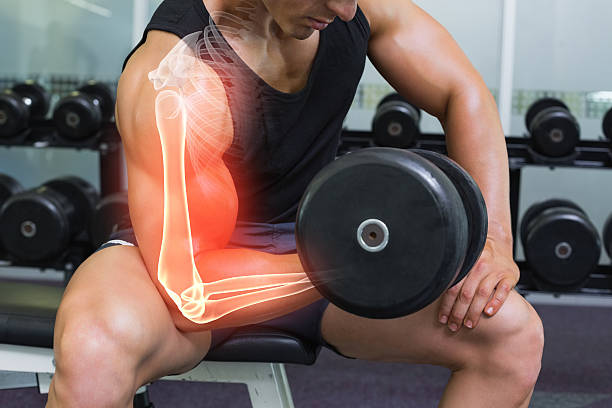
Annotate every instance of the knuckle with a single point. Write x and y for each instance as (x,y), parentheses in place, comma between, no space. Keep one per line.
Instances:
(484,291)
(466,296)
(458,316)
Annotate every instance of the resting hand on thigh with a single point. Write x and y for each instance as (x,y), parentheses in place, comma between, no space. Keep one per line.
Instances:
(485,288)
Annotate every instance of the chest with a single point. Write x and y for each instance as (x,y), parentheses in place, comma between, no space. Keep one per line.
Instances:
(284,66)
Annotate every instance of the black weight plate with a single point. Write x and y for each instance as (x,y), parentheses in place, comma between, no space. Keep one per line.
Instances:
(607,124)
(607,235)
(395,125)
(109,213)
(104,96)
(562,247)
(474,203)
(77,116)
(14,114)
(8,187)
(536,209)
(540,105)
(427,232)
(34,225)
(38,96)
(392,97)
(82,195)
(555,132)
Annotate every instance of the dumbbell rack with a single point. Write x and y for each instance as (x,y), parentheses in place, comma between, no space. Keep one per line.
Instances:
(588,154)
(41,134)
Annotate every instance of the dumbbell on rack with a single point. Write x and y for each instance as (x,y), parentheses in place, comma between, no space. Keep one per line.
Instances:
(18,106)
(561,244)
(39,224)
(396,122)
(109,214)
(8,187)
(607,125)
(554,131)
(607,236)
(79,116)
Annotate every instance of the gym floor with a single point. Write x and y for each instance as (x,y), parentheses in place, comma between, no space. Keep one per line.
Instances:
(576,373)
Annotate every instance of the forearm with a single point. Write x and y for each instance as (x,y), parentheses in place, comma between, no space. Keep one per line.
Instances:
(224,264)
(476,141)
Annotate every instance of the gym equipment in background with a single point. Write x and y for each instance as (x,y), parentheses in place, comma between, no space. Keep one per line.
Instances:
(382,232)
(607,236)
(554,131)
(19,105)
(79,116)
(39,224)
(109,213)
(396,122)
(606,125)
(9,186)
(561,245)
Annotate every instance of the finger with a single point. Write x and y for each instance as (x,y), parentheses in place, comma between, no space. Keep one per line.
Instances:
(447,302)
(463,302)
(501,294)
(481,298)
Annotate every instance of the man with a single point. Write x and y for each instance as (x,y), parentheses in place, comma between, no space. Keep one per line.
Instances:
(305,58)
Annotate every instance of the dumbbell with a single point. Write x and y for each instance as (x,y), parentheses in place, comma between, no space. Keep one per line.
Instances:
(396,122)
(20,104)
(109,213)
(79,116)
(39,224)
(554,131)
(607,236)
(383,232)
(607,124)
(561,244)
(8,187)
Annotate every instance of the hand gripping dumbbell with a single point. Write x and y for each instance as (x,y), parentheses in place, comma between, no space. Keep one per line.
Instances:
(561,244)
(110,212)
(39,224)
(396,122)
(79,116)
(554,131)
(383,232)
(20,104)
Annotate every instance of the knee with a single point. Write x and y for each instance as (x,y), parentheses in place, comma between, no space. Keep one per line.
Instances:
(514,342)
(94,363)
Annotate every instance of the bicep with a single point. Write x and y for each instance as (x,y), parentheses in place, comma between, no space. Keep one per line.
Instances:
(416,55)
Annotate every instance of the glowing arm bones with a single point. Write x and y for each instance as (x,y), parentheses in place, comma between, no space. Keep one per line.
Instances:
(177,270)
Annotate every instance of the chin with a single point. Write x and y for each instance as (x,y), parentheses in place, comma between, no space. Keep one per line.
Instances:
(302,33)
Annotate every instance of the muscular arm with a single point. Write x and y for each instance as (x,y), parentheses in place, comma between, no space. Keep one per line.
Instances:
(422,62)
(175,210)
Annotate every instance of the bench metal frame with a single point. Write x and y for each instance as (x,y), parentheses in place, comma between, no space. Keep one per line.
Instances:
(24,366)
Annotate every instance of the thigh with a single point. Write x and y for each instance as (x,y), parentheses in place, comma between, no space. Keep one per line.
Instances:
(419,338)
(112,300)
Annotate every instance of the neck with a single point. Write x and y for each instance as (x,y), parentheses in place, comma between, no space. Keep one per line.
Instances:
(250,17)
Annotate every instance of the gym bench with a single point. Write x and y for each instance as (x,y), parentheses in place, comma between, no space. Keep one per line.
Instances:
(253,355)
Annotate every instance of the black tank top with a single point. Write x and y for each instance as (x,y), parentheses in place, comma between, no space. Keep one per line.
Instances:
(293,135)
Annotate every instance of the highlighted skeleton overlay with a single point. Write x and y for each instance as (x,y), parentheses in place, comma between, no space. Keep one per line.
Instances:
(193,114)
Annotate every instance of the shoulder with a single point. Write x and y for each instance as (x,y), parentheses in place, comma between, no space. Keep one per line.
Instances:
(384,15)
(135,91)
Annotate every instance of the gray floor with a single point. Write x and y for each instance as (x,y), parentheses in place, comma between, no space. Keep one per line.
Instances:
(576,373)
